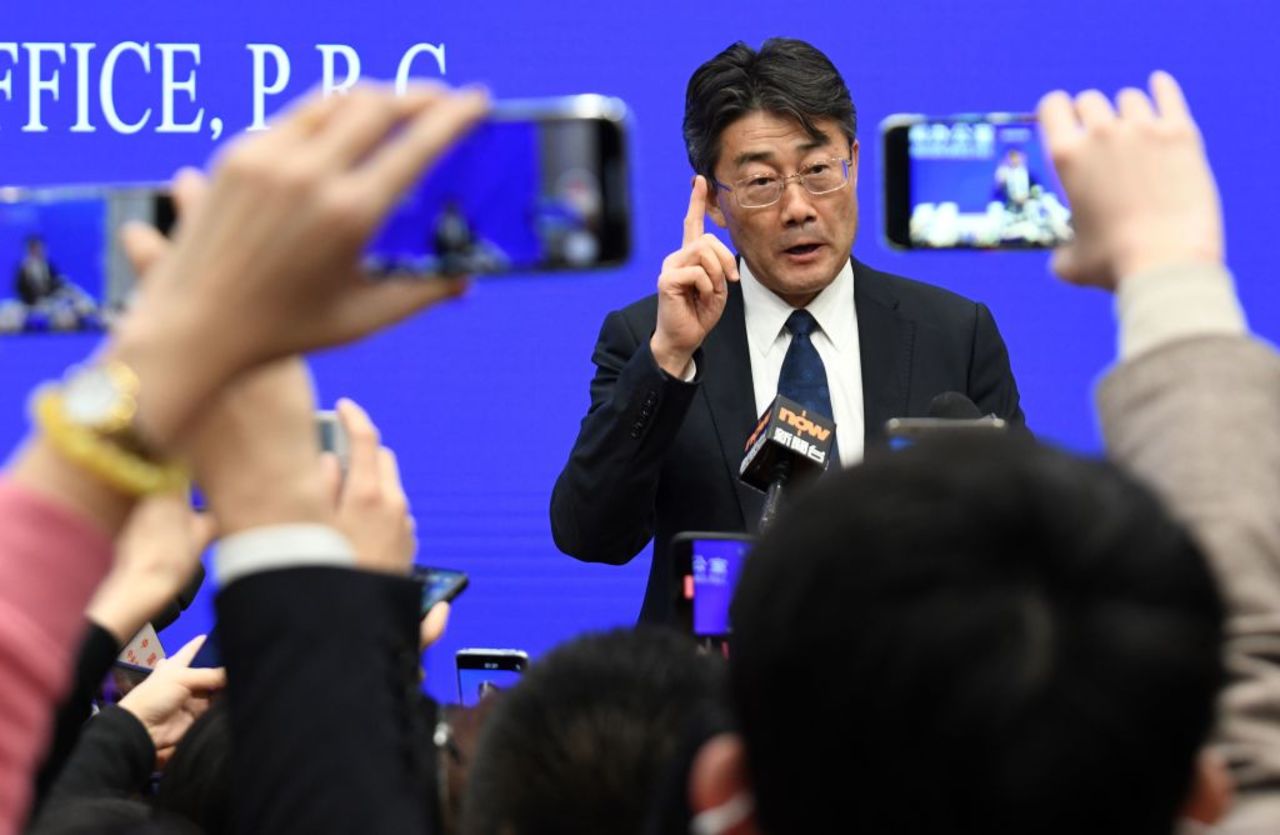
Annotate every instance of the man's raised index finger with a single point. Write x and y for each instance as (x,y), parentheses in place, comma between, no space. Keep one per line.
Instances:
(694,218)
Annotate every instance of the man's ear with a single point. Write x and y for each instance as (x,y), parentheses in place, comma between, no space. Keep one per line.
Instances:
(853,163)
(713,206)
(718,784)
(1212,790)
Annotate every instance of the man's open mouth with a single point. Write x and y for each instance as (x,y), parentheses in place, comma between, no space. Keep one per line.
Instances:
(801,249)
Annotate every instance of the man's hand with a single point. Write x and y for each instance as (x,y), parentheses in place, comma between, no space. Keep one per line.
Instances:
(1141,192)
(255,451)
(372,509)
(157,553)
(692,289)
(169,700)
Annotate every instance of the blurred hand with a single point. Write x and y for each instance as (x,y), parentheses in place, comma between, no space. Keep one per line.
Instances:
(267,262)
(157,554)
(255,452)
(692,289)
(1141,192)
(372,509)
(431,628)
(169,700)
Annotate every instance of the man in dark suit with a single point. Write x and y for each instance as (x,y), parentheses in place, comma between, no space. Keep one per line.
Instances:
(682,376)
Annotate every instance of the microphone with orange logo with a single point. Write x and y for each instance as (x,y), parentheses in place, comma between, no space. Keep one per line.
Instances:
(790,443)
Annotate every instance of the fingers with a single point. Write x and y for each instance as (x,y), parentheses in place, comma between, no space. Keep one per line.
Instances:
(437,125)
(389,475)
(188,189)
(386,302)
(331,476)
(202,679)
(1094,109)
(1056,114)
(363,121)
(433,625)
(182,658)
(727,260)
(695,217)
(144,246)
(363,469)
(204,528)
(1169,99)
(1133,105)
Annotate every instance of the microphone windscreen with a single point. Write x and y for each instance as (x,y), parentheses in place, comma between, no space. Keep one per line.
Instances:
(952,405)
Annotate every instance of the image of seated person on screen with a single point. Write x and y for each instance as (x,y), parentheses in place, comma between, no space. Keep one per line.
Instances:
(43,297)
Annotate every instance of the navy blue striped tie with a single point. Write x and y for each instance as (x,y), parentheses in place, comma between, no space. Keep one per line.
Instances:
(803,377)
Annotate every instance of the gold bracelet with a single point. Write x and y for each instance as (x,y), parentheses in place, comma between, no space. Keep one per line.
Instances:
(118,467)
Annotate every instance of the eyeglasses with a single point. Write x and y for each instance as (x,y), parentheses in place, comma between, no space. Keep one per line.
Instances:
(822,177)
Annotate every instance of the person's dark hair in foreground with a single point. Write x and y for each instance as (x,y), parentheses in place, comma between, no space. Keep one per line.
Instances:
(108,816)
(197,780)
(996,636)
(590,734)
(786,77)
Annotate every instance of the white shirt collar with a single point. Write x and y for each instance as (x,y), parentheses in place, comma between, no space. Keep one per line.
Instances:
(766,313)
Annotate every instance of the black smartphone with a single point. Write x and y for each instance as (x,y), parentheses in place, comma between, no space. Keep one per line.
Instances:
(542,185)
(485,671)
(970,181)
(120,679)
(900,433)
(707,568)
(439,585)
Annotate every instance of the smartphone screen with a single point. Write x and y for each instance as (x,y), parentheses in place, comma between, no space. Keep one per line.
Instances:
(541,185)
(120,679)
(482,672)
(62,268)
(708,566)
(971,182)
(439,585)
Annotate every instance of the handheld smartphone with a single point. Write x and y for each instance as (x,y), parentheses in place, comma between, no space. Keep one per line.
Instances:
(439,585)
(120,679)
(973,181)
(901,433)
(707,568)
(485,671)
(542,185)
(332,437)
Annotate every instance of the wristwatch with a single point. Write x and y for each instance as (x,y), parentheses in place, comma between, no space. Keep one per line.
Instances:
(91,419)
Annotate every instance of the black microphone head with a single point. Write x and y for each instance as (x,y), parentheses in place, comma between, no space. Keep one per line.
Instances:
(787,434)
(952,405)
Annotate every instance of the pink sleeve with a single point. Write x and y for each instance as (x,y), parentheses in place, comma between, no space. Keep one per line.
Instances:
(51,560)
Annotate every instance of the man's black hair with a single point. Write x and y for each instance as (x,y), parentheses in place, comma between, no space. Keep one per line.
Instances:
(786,77)
(989,637)
(587,740)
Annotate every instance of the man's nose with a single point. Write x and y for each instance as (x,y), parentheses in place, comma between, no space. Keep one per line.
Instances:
(796,204)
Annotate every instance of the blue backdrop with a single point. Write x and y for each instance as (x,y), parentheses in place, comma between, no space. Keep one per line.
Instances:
(516,352)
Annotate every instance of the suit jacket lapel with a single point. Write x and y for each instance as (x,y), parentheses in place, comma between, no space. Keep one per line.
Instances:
(730,394)
(885,342)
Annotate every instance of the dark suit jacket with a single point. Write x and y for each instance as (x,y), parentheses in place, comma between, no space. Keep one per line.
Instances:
(325,709)
(656,456)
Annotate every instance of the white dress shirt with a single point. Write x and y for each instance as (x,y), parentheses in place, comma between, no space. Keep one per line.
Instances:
(836,341)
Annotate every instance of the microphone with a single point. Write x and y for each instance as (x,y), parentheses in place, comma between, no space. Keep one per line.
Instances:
(789,442)
(952,405)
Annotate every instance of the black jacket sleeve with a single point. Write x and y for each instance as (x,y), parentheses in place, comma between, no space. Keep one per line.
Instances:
(602,507)
(98,652)
(113,758)
(991,383)
(324,714)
